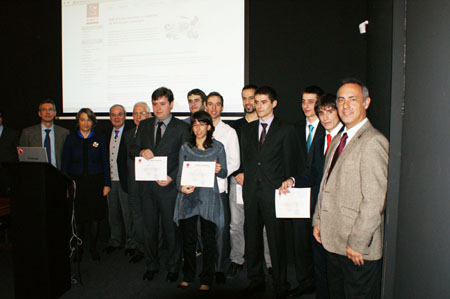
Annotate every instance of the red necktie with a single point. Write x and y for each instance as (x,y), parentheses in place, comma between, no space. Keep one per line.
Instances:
(328,143)
(337,153)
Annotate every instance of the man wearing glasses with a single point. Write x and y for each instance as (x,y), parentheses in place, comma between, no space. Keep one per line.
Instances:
(46,134)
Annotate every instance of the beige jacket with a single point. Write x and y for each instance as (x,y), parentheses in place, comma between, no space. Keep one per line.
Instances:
(350,206)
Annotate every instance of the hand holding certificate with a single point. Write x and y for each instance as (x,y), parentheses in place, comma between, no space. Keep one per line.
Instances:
(294,204)
(151,170)
(198,174)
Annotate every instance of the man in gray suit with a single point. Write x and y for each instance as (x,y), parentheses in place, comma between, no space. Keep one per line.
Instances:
(46,134)
(349,215)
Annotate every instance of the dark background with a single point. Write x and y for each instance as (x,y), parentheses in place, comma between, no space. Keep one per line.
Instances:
(404,58)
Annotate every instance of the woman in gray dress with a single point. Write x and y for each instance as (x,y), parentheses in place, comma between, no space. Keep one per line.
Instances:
(199,202)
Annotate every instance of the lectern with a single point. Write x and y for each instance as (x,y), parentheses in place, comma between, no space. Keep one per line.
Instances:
(40,230)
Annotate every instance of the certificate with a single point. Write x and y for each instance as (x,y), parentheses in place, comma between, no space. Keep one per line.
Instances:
(198,174)
(294,204)
(150,170)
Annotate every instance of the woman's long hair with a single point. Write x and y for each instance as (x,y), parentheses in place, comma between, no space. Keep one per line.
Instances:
(202,117)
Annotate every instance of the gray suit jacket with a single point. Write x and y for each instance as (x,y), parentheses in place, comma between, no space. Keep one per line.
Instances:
(350,206)
(32,136)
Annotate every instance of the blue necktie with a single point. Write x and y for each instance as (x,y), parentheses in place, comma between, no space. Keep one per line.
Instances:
(116,132)
(310,137)
(47,145)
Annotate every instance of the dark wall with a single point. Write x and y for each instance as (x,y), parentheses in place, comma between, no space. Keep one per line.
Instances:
(292,44)
(423,259)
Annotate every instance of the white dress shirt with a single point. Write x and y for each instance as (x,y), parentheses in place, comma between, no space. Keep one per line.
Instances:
(228,137)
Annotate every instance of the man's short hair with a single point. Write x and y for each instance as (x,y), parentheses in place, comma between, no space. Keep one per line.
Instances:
(47,101)
(90,114)
(215,93)
(162,92)
(147,107)
(313,89)
(198,92)
(267,90)
(326,100)
(249,86)
(364,89)
(120,106)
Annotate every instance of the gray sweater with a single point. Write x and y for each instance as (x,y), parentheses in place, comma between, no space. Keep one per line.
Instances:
(204,202)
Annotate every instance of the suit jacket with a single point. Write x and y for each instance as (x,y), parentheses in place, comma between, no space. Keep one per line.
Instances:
(8,153)
(312,176)
(32,136)
(273,162)
(350,206)
(320,133)
(177,132)
(8,145)
(122,156)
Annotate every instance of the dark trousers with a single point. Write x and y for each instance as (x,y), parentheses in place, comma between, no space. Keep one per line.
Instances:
(135,205)
(320,269)
(209,254)
(259,211)
(345,280)
(303,257)
(223,236)
(158,205)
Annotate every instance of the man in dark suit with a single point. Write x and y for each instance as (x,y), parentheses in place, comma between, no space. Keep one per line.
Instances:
(161,135)
(46,134)
(349,215)
(269,150)
(118,209)
(141,111)
(9,140)
(326,109)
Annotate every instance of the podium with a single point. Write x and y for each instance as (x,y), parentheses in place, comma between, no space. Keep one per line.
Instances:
(40,230)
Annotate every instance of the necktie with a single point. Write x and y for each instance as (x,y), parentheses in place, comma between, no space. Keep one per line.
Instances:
(337,153)
(116,132)
(263,134)
(47,145)
(310,137)
(158,133)
(328,143)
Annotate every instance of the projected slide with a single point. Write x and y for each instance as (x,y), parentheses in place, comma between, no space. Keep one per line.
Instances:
(119,51)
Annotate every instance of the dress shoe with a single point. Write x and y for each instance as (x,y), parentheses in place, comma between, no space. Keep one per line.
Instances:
(149,275)
(281,294)
(270,271)
(183,285)
(299,291)
(254,288)
(130,251)
(172,276)
(139,256)
(234,269)
(110,249)
(220,278)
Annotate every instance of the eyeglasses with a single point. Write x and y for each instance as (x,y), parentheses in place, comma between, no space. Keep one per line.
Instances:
(46,109)
(143,113)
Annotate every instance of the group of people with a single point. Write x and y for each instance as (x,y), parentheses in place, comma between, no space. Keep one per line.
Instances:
(336,152)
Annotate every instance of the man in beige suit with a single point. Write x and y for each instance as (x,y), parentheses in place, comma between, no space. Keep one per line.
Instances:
(348,218)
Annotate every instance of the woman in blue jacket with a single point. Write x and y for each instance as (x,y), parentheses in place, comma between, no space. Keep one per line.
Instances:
(85,159)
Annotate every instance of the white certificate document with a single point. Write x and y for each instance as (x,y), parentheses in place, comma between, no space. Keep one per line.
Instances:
(239,198)
(198,174)
(150,170)
(294,204)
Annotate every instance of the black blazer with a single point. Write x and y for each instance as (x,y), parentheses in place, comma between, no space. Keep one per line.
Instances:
(274,161)
(122,156)
(312,176)
(177,132)
(320,133)
(8,145)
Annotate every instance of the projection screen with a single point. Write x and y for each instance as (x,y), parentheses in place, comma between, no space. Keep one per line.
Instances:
(119,51)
